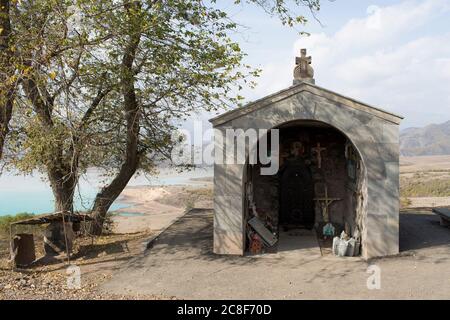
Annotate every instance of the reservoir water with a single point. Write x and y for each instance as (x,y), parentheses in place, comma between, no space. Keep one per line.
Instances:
(32,194)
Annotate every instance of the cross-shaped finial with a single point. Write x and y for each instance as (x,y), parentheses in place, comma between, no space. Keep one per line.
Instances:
(303,57)
(303,69)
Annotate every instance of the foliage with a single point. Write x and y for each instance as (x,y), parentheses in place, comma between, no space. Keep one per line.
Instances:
(5,221)
(105,83)
(184,63)
(72,49)
(285,10)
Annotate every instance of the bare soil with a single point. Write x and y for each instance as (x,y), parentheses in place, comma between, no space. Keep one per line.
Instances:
(424,163)
(99,258)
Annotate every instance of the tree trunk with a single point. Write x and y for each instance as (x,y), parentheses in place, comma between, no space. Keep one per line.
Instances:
(63,176)
(7,90)
(5,118)
(58,237)
(63,187)
(108,194)
(106,197)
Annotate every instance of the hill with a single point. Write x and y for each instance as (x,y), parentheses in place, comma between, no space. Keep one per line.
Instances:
(433,139)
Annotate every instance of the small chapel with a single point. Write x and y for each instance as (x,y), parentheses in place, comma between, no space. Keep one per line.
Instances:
(337,179)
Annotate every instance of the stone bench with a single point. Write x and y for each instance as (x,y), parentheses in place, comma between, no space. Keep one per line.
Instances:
(444,215)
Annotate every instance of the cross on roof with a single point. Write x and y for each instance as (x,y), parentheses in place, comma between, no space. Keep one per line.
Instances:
(303,57)
(303,69)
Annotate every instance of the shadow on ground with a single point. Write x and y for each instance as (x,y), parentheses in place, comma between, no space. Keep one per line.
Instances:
(180,263)
(420,229)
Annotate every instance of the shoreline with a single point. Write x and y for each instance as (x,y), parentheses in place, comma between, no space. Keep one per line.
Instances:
(124,199)
(31,193)
(152,208)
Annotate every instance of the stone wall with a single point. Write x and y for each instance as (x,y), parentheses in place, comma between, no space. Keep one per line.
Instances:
(374,134)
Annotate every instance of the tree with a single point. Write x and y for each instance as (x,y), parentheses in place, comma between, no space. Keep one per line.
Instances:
(7,83)
(173,58)
(49,57)
(107,92)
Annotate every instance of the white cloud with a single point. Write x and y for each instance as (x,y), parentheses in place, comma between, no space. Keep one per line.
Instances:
(384,25)
(388,58)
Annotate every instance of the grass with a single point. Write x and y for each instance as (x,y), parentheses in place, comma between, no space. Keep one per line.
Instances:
(421,185)
(405,202)
(196,195)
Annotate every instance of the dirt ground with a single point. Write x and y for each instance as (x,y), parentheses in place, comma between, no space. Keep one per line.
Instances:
(181,264)
(99,258)
(424,163)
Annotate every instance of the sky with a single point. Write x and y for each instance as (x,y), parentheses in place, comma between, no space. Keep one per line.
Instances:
(391,54)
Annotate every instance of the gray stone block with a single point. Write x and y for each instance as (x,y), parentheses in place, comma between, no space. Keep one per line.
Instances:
(390,133)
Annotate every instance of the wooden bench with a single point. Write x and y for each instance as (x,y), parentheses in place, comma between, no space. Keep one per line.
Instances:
(444,215)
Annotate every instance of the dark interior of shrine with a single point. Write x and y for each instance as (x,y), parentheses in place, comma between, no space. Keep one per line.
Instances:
(319,181)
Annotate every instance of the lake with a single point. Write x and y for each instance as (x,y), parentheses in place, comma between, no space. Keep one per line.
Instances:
(32,194)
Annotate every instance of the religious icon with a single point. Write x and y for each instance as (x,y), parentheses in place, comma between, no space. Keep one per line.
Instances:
(318,151)
(297,149)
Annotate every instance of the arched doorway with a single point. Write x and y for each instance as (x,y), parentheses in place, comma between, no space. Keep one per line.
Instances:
(321,182)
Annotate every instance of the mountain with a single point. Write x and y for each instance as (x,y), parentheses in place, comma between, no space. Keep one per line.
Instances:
(433,139)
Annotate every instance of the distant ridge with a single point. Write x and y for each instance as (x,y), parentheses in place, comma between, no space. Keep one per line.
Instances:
(431,140)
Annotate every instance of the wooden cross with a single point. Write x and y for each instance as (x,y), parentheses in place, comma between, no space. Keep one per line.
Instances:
(324,203)
(318,150)
(303,61)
